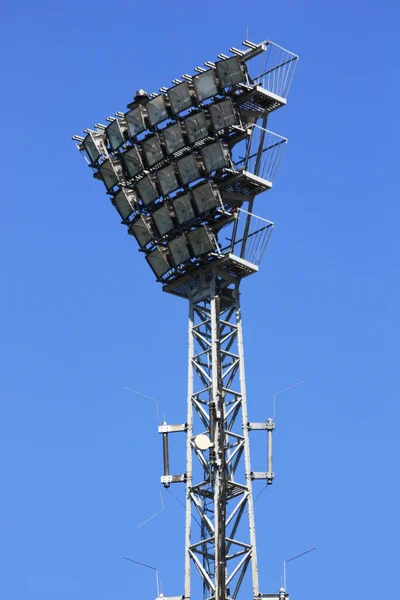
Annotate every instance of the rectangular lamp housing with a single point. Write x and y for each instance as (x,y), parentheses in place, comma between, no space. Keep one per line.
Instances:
(179,250)
(183,208)
(167,180)
(180,97)
(135,121)
(125,201)
(202,241)
(156,110)
(196,127)
(115,133)
(216,156)
(163,220)
(147,190)
(152,150)
(188,169)
(231,71)
(141,229)
(158,261)
(205,85)
(206,197)
(173,138)
(133,162)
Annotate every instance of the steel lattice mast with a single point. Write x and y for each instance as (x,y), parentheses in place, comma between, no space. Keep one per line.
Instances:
(186,193)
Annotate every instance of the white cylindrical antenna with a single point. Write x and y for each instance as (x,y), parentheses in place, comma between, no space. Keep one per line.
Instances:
(293,558)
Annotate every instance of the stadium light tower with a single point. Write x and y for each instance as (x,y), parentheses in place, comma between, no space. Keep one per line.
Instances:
(182,168)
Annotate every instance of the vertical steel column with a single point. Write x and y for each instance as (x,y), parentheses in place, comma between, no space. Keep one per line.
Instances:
(245,420)
(219,474)
(189,456)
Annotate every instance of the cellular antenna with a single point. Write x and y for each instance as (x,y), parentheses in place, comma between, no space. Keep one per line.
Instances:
(184,169)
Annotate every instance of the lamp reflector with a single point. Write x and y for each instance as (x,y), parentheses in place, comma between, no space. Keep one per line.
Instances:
(94,147)
(183,208)
(163,221)
(173,138)
(147,190)
(179,250)
(230,71)
(223,114)
(115,135)
(109,174)
(188,169)
(140,228)
(205,85)
(196,127)
(167,180)
(179,97)
(205,197)
(215,156)
(158,261)
(156,110)
(152,149)
(201,241)
(132,161)
(125,202)
(135,121)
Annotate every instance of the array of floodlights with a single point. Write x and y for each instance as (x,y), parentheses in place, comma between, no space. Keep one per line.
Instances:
(168,163)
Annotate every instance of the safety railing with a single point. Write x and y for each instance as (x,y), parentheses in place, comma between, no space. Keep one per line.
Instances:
(246,236)
(277,67)
(263,153)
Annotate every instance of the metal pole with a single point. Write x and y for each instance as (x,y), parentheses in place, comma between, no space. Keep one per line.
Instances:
(252,526)
(189,457)
(220,462)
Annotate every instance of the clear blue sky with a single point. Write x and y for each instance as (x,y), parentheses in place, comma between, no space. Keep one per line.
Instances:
(81,315)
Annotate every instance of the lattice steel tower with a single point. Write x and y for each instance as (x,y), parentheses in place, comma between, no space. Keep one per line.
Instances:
(182,168)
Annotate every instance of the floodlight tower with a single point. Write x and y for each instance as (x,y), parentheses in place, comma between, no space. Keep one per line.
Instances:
(182,168)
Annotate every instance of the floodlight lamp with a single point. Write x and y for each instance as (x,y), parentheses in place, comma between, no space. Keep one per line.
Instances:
(173,138)
(183,208)
(205,85)
(216,156)
(202,241)
(115,133)
(158,261)
(180,97)
(167,180)
(196,127)
(162,219)
(111,173)
(140,228)
(179,250)
(147,190)
(223,114)
(132,161)
(152,149)
(125,201)
(188,169)
(206,197)
(94,146)
(156,110)
(231,71)
(135,121)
